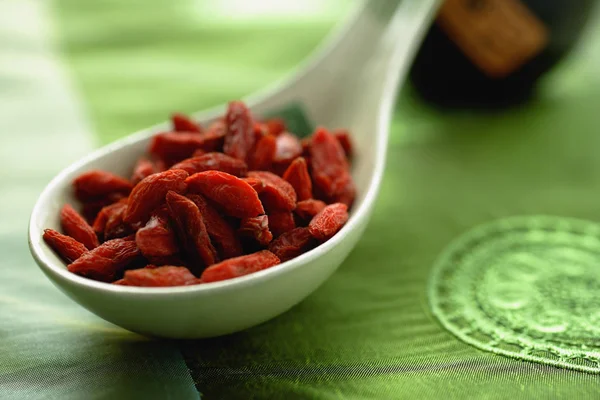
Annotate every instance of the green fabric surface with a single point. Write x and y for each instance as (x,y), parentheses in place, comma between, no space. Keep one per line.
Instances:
(50,347)
(367,332)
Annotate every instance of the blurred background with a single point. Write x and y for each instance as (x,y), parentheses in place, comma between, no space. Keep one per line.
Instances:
(135,62)
(78,74)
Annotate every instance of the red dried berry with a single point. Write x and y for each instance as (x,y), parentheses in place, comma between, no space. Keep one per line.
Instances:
(297,175)
(345,191)
(240,137)
(66,247)
(150,193)
(257,184)
(329,221)
(143,168)
(191,231)
(214,137)
(159,277)
(288,147)
(115,227)
(96,185)
(264,152)
(175,259)
(183,123)
(106,261)
(173,147)
(105,213)
(239,266)
(198,153)
(281,222)
(90,209)
(343,137)
(330,168)
(220,231)
(156,238)
(213,162)
(232,194)
(160,165)
(278,194)
(275,126)
(257,228)
(186,200)
(327,155)
(260,130)
(292,243)
(307,209)
(305,143)
(74,225)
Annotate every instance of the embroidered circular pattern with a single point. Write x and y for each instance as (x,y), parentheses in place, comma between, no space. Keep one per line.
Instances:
(524,287)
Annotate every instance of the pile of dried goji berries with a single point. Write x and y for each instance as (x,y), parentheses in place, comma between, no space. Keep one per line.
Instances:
(209,204)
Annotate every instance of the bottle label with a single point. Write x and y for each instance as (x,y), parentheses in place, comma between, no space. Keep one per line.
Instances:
(498,36)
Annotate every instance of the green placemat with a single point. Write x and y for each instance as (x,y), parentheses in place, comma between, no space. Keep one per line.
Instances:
(368,332)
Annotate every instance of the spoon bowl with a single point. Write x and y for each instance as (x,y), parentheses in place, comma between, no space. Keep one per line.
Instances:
(350,83)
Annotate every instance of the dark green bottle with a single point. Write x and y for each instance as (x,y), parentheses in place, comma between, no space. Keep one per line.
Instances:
(489,53)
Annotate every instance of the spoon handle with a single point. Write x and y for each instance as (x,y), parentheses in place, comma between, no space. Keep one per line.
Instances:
(358,70)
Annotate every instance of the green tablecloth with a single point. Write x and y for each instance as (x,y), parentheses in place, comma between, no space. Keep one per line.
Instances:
(368,332)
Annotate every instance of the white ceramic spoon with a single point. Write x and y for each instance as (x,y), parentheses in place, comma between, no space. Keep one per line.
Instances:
(352,83)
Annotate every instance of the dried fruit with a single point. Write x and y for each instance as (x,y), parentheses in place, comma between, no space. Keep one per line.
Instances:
(257,184)
(99,225)
(222,234)
(288,147)
(257,228)
(239,266)
(115,227)
(74,225)
(183,123)
(106,261)
(172,147)
(278,194)
(330,168)
(297,175)
(191,208)
(66,247)
(292,243)
(262,156)
(214,137)
(161,166)
(96,185)
(240,137)
(159,276)
(345,192)
(307,209)
(329,221)
(260,130)
(232,194)
(156,238)
(305,143)
(143,168)
(150,193)
(198,153)
(343,137)
(191,231)
(275,126)
(213,162)
(90,209)
(281,222)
